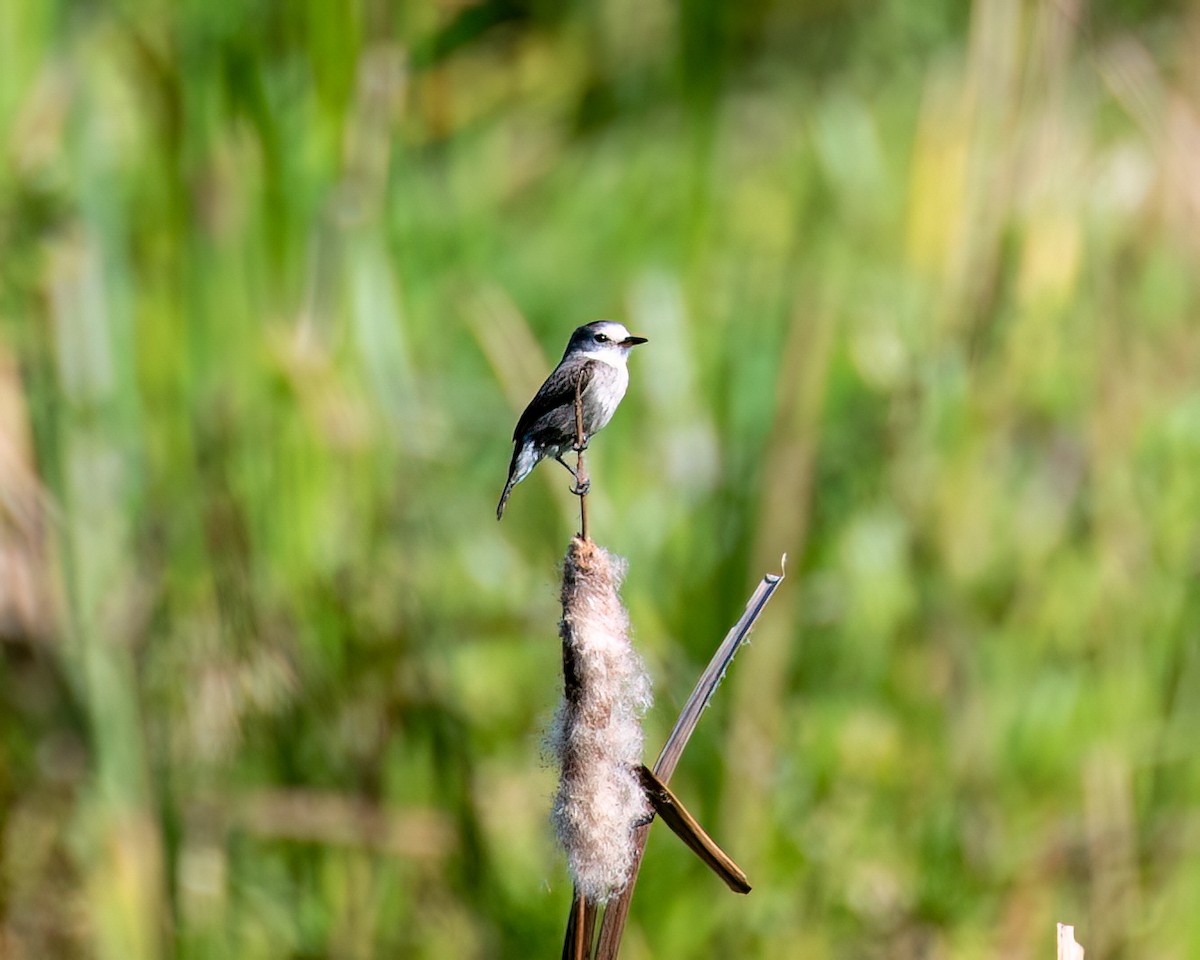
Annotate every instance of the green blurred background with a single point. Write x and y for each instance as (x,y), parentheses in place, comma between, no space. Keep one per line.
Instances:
(919,279)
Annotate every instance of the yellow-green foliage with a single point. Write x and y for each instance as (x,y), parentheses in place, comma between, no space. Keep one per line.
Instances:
(275,281)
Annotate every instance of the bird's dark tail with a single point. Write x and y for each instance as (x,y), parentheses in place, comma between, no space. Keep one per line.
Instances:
(504,498)
(513,480)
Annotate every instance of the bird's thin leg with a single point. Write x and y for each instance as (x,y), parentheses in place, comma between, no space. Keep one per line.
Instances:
(570,469)
(580,488)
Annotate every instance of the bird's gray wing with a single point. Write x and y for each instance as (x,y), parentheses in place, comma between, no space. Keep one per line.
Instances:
(558,391)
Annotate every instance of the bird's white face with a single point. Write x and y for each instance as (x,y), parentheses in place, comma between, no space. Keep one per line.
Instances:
(608,341)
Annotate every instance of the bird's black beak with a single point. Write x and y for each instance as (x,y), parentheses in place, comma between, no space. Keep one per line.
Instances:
(633,341)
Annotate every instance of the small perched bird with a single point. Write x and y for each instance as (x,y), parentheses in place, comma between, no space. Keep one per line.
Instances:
(594,364)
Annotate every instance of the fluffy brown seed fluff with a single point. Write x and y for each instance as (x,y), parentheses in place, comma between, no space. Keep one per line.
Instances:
(597,733)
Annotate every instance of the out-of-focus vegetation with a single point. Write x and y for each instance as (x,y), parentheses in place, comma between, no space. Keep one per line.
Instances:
(920,284)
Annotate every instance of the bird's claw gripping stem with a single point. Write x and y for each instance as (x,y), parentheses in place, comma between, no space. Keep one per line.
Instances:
(581,489)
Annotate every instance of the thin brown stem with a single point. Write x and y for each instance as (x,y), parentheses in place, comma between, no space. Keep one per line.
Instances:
(581,477)
(577,944)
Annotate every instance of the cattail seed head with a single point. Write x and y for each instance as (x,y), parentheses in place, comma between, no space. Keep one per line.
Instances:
(597,735)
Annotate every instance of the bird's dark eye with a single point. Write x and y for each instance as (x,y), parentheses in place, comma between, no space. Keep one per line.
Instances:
(602,338)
